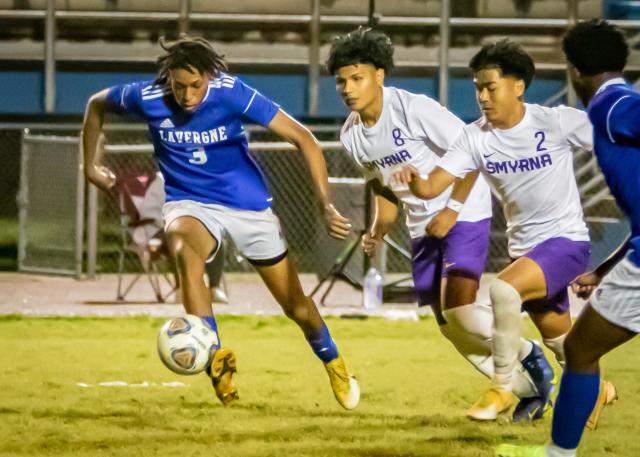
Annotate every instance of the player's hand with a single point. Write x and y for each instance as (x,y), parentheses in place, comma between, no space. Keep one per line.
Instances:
(407,174)
(338,226)
(442,223)
(370,244)
(102,177)
(584,284)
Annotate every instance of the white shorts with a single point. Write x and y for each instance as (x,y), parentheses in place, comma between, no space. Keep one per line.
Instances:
(617,298)
(256,234)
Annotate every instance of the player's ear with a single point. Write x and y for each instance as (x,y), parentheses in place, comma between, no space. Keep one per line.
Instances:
(520,88)
(380,76)
(573,71)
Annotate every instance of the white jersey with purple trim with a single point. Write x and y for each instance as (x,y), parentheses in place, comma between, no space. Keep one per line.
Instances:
(530,168)
(412,129)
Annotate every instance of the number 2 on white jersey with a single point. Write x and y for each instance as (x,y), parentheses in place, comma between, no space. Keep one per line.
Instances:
(199,157)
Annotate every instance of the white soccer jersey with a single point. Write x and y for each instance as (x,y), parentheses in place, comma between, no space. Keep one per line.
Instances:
(412,129)
(530,168)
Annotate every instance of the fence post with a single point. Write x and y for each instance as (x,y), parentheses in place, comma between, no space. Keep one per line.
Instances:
(92,230)
(50,58)
(445,31)
(572,16)
(79,254)
(23,200)
(314,58)
(183,22)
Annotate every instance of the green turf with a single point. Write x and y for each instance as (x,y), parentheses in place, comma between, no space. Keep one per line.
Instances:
(415,393)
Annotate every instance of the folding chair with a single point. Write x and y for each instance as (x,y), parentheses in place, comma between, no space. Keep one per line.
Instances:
(140,200)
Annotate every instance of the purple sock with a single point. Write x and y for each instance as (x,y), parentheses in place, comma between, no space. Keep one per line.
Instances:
(577,397)
(323,345)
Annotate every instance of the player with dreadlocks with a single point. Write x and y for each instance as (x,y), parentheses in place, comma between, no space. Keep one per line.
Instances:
(194,111)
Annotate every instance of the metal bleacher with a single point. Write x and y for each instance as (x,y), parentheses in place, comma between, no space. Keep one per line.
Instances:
(430,35)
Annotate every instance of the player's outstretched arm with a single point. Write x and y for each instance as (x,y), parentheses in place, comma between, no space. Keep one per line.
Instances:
(444,221)
(297,134)
(101,176)
(385,214)
(437,182)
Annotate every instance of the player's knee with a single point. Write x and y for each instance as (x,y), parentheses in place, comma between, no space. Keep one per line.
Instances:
(575,355)
(176,242)
(187,260)
(297,310)
(501,292)
(473,320)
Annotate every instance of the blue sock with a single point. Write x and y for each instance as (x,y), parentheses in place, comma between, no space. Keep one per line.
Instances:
(323,345)
(211,321)
(577,397)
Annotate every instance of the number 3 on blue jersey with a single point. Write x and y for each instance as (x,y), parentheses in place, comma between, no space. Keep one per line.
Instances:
(199,157)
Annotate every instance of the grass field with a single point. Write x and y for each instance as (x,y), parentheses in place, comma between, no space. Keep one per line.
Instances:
(415,393)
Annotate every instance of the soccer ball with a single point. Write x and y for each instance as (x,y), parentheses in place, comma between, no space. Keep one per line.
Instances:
(186,344)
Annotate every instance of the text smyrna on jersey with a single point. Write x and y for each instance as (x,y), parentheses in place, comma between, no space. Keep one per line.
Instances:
(390,160)
(519,165)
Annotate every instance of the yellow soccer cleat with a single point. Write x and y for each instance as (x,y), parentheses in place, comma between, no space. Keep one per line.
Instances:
(510,450)
(223,367)
(606,396)
(345,387)
(492,403)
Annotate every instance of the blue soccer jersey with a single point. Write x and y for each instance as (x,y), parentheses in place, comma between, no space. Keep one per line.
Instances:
(203,155)
(615,114)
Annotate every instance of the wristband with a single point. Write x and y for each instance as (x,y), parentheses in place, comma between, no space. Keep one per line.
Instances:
(454,205)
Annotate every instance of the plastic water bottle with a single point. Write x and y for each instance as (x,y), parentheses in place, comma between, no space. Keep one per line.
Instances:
(372,289)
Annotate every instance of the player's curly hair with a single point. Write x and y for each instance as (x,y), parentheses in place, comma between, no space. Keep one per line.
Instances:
(596,46)
(363,45)
(188,51)
(509,57)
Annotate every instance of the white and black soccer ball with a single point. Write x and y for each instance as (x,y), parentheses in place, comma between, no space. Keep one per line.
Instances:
(186,344)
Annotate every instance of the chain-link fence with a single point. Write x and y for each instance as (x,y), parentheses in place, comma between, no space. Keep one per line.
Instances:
(51,205)
(10,141)
(294,202)
(129,152)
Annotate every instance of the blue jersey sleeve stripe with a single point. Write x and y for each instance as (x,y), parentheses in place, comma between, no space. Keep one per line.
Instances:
(609,115)
(158,95)
(250,101)
(122,98)
(155,91)
(153,88)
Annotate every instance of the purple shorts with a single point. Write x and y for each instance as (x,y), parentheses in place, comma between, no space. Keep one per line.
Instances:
(562,260)
(463,251)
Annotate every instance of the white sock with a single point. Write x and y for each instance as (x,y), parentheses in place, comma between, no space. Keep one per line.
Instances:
(525,349)
(556,345)
(551,450)
(507,305)
(469,328)
(471,325)
(477,352)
